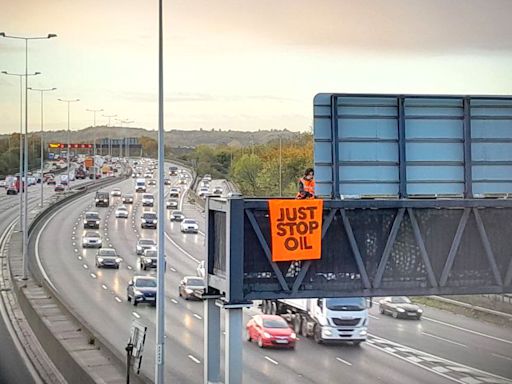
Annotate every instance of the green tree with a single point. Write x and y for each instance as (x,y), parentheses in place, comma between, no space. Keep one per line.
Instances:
(245,173)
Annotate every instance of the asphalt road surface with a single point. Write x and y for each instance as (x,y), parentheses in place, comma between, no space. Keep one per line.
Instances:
(441,348)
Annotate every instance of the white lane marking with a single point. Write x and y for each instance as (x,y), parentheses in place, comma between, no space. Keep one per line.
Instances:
(76,250)
(118,299)
(271,360)
(442,338)
(344,361)
(85,266)
(195,360)
(79,257)
(74,244)
(104,286)
(93,275)
(197,316)
(174,301)
(502,356)
(129,267)
(173,269)
(10,329)
(135,314)
(429,357)
(181,249)
(374,317)
(38,257)
(467,330)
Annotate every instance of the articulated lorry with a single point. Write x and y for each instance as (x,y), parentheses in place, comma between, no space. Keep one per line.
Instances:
(326,320)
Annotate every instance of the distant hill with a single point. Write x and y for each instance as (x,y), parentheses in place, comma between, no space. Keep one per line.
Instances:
(174,138)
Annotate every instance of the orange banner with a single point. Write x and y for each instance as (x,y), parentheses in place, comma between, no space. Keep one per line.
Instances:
(296,229)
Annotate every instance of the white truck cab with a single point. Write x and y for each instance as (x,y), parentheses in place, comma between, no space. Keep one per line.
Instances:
(326,320)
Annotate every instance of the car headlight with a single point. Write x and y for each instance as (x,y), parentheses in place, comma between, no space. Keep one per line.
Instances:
(363,333)
(293,335)
(139,248)
(267,335)
(400,310)
(188,290)
(118,260)
(155,221)
(105,200)
(328,332)
(97,200)
(100,259)
(420,310)
(143,220)
(147,261)
(97,221)
(85,221)
(137,292)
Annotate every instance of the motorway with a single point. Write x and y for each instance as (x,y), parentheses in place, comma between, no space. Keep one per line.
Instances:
(12,365)
(441,348)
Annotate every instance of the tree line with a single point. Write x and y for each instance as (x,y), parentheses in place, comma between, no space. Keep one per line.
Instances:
(10,153)
(256,169)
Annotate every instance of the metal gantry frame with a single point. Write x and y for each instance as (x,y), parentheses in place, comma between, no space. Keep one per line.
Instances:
(368,249)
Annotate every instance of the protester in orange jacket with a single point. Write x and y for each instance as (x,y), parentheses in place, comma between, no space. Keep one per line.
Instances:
(307,185)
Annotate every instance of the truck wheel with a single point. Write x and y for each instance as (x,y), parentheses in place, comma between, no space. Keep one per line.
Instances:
(273,308)
(317,333)
(297,324)
(304,326)
(264,307)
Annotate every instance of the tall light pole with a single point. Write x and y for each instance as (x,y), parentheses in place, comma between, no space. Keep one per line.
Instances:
(95,131)
(68,101)
(280,166)
(160,297)
(123,121)
(109,136)
(42,90)
(21,139)
(25,216)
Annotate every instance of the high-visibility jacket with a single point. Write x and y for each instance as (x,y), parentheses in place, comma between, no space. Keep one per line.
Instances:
(306,189)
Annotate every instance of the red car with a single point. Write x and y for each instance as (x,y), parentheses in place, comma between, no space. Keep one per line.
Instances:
(270,331)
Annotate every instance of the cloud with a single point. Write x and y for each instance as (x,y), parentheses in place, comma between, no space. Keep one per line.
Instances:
(376,25)
(184,97)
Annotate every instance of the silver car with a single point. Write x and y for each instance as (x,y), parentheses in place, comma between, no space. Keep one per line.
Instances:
(144,244)
(122,212)
(189,226)
(91,239)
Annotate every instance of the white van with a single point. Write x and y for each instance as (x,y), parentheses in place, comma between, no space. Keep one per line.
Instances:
(140,185)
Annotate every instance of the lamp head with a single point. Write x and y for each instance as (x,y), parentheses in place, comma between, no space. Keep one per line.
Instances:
(51,35)
(37,73)
(2,34)
(4,72)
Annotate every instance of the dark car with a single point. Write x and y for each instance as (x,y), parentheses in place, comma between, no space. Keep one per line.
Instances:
(108,257)
(59,188)
(102,199)
(128,198)
(177,216)
(142,289)
(51,181)
(167,181)
(149,259)
(400,306)
(191,287)
(148,220)
(92,220)
(12,190)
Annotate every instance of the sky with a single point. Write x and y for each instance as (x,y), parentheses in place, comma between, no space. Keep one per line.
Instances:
(244,65)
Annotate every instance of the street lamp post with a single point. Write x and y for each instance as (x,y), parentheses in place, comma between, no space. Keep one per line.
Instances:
(68,101)
(95,131)
(21,140)
(109,135)
(42,140)
(25,216)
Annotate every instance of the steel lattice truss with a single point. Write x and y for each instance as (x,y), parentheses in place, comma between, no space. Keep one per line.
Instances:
(369,248)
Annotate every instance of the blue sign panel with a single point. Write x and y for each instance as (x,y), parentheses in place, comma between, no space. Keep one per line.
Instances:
(412,145)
